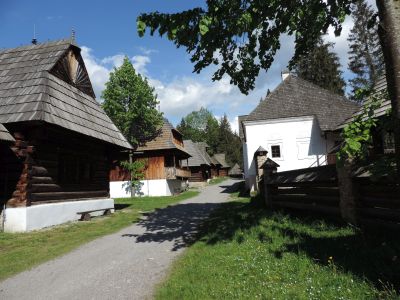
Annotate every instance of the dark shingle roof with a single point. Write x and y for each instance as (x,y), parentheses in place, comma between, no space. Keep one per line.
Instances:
(220,158)
(296,97)
(5,136)
(235,170)
(197,158)
(164,140)
(380,86)
(31,89)
(240,121)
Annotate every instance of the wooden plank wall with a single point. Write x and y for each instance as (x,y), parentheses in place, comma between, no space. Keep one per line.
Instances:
(154,167)
(197,174)
(223,172)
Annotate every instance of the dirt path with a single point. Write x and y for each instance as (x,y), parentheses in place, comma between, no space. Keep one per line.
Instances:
(124,265)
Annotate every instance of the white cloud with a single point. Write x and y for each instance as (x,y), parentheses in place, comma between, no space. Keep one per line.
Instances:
(139,62)
(341,46)
(99,69)
(115,60)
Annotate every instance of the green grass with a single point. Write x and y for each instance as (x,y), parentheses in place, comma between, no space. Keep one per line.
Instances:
(217,180)
(247,252)
(21,251)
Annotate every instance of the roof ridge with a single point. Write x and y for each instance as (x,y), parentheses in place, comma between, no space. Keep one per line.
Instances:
(38,46)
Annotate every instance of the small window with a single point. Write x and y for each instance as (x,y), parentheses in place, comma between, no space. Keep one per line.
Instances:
(276,151)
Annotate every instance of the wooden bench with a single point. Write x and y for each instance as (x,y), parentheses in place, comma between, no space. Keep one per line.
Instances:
(85,215)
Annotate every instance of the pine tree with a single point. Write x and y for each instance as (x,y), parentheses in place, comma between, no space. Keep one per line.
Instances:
(229,142)
(321,66)
(366,58)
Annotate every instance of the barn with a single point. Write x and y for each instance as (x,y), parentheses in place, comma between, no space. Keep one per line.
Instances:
(59,163)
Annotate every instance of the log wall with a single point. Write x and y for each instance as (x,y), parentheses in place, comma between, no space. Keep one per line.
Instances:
(57,165)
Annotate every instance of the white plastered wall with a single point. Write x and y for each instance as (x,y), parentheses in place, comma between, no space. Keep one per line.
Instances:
(301,142)
(35,217)
(153,187)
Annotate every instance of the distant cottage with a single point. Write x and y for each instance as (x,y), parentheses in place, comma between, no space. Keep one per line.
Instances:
(296,124)
(62,142)
(164,171)
(200,163)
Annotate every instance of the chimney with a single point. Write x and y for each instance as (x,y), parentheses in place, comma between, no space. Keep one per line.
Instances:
(285,74)
(34,40)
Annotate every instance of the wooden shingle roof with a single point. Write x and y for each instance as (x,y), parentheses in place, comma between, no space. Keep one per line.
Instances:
(165,140)
(296,97)
(235,170)
(220,158)
(49,82)
(198,158)
(5,136)
(380,86)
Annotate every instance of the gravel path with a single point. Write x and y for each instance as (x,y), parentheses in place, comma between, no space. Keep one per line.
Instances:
(124,265)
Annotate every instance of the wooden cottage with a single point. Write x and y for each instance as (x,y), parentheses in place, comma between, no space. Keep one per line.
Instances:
(235,171)
(58,164)
(164,173)
(223,167)
(199,163)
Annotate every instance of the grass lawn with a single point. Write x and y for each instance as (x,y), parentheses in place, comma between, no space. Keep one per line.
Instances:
(246,252)
(21,251)
(217,180)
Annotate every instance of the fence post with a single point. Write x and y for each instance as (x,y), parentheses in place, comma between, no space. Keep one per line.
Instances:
(347,191)
(269,170)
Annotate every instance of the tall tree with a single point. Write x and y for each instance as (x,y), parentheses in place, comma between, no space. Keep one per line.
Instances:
(243,36)
(131,103)
(366,56)
(229,142)
(321,66)
(194,125)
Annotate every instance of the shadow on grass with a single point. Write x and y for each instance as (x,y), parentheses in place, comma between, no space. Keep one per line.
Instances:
(372,255)
(178,223)
(118,206)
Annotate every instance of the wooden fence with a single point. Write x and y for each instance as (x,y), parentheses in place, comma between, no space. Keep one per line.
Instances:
(317,190)
(378,201)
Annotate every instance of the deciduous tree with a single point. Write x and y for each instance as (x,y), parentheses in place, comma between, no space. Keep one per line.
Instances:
(242,37)
(131,104)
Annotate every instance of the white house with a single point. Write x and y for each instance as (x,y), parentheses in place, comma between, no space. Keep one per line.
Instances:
(296,123)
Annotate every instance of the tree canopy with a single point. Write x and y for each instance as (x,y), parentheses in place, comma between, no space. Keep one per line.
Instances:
(321,66)
(131,104)
(242,37)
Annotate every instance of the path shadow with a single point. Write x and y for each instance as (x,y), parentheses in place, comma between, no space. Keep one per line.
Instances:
(178,223)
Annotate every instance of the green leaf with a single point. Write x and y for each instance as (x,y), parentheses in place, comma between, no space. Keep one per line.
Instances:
(141,27)
(354,145)
(204,25)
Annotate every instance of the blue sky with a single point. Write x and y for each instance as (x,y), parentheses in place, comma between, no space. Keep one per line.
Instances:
(106,31)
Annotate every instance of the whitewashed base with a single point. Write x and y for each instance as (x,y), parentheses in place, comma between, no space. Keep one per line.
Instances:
(154,187)
(29,218)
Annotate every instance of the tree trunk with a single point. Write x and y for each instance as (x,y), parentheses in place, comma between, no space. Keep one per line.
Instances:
(389,35)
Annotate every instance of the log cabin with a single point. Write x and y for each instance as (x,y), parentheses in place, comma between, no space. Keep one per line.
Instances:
(164,174)
(58,164)
(199,163)
(223,167)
